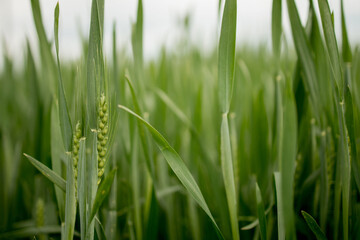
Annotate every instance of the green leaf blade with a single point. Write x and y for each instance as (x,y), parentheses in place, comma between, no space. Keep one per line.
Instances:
(47,172)
(226,59)
(178,166)
(65,123)
(310,221)
(287,163)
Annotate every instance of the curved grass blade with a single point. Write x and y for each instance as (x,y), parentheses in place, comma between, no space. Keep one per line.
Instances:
(102,192)
(47,172)
(178,166)
(261,213)
(313,226)
(226,59)
(256,221)
(65,123)
(143,136)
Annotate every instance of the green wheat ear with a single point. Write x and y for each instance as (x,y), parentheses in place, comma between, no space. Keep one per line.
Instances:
(76,145)
(102,137)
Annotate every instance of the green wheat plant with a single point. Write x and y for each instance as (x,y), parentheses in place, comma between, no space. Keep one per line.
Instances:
(234,142)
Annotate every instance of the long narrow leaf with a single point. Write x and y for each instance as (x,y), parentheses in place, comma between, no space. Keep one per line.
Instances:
(287,163)
(226,60)
(256,221)
(65,123)
(313,226)
(179,168)
(47,172)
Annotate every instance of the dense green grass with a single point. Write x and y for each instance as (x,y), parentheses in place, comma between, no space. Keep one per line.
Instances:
(238,142)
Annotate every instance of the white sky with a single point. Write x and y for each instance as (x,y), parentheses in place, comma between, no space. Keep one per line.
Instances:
(161,22)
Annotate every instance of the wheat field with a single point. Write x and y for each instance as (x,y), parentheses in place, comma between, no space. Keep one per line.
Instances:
(237,142)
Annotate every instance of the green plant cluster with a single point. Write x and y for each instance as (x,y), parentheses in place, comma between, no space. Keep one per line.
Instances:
(239,142)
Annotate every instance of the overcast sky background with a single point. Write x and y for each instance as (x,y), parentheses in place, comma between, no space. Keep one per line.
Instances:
(161,23)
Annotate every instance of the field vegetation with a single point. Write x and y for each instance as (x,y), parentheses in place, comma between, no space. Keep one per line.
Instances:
(238,142)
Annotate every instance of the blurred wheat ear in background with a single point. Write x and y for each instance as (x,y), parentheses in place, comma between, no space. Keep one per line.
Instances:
(234,142)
